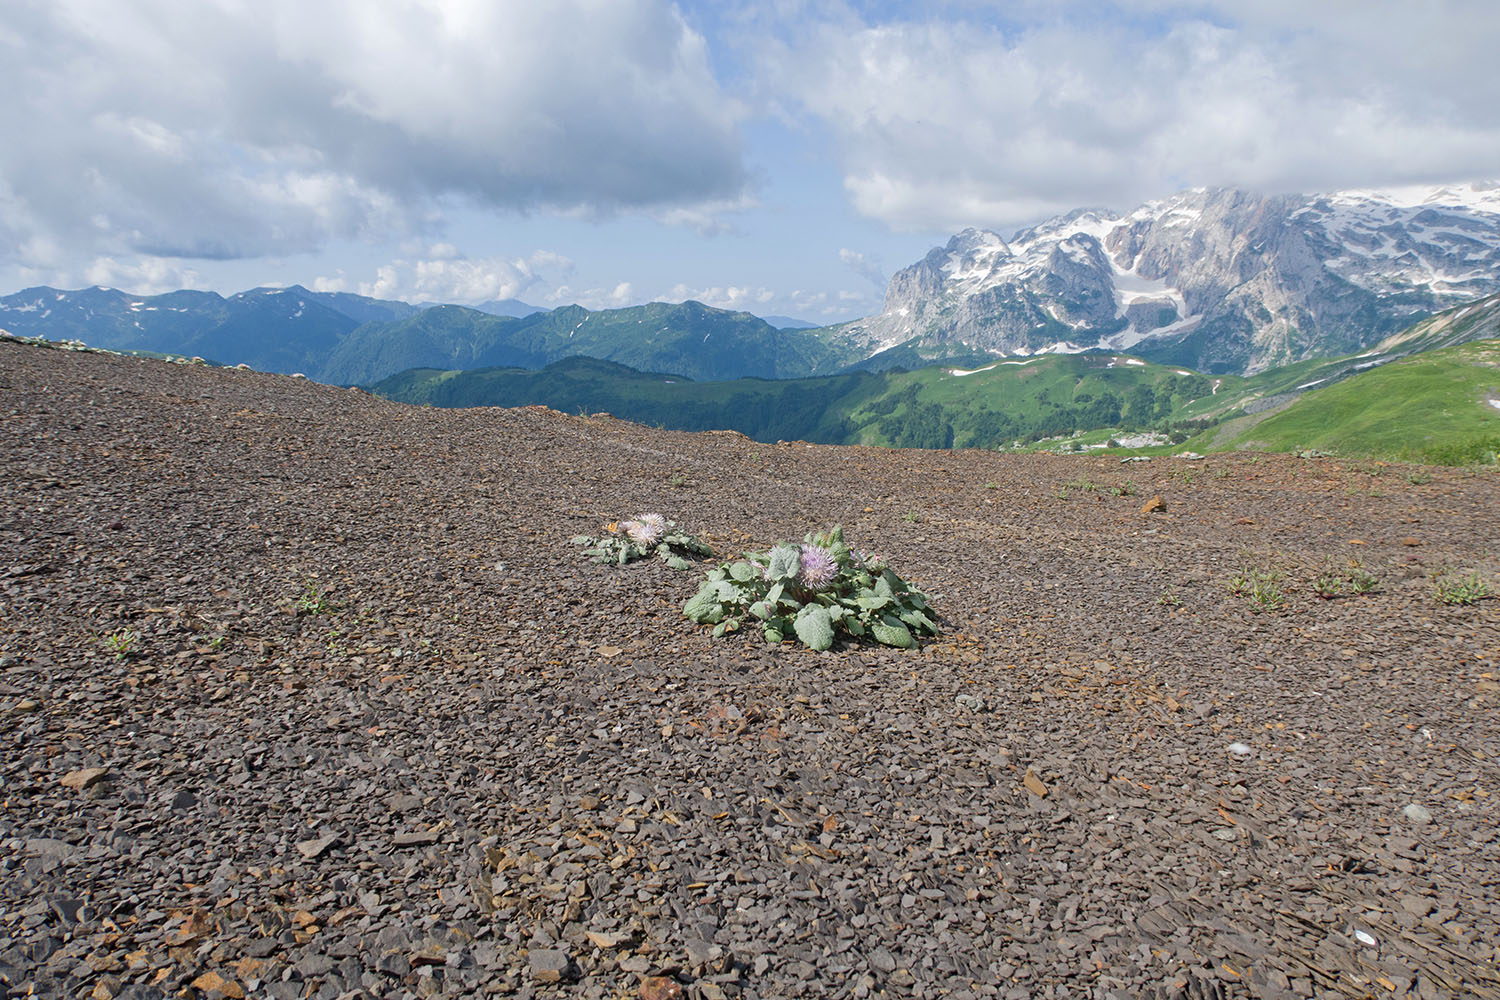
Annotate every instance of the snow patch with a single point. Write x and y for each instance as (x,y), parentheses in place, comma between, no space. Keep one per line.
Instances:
(1309,385)
(1494,402)
(960,373)
(1135,362)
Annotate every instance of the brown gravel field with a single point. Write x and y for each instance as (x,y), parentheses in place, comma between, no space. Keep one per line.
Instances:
(306,694)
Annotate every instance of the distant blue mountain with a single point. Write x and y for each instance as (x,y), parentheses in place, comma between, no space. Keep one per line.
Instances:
(349,339)
(790,323)
(506,307)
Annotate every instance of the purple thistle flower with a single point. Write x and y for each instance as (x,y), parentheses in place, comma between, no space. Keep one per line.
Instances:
(818,567)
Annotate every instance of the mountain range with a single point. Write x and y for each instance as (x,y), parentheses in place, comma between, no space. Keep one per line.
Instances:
(1446,391)
(1217,280)
(1220,281)
(349,339)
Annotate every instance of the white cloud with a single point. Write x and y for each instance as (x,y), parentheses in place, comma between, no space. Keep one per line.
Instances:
(142,275)
(618,297)
(234,128)
(940,124)
(734,297)
(451,277)
(865,266)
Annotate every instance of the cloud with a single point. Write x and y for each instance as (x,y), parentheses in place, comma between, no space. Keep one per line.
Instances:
(866,267)
(230,129)
(945,123)
(618,297)
(140,275)
(763,301)
(447,276)
(733,297)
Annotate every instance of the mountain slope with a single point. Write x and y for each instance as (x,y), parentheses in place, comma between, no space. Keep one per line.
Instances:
(272,329)
(688,339)
(1440,406)
(1219,280)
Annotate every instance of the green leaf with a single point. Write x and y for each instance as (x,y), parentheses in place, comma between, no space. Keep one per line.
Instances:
(774,594)
(761,610)
(743,572)
(719,629)
(676,562)
(893,635)
(772,635)
(582,540)
(813,627)
(918,620)
(704,607)
(785,561)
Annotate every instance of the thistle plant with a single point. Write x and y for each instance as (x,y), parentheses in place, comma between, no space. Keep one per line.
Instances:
(812,592)
(641,536)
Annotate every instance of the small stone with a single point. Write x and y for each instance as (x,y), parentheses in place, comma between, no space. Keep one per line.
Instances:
(312,849)
(969,702)
(661,988)
(600,939)
(1034,784)
(1411,542)
(213,982)
(1154,506)
(1417,906)
(86,778)
(549,965)
(1417,814)
(882,961)
(415,838)
(1241,749)
(902,977)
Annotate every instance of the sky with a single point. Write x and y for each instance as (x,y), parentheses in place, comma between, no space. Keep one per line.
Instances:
(778,156)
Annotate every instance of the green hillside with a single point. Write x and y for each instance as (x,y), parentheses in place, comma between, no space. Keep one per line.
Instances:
(998,405)
(688,339)
(1441,406)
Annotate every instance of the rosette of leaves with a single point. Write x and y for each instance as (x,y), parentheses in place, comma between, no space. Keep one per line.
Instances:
(813,592)
(642,536)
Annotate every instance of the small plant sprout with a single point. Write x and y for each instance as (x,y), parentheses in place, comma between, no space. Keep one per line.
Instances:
(641,536)
(1419,477)
(1169,598)
(313,601)
(912,517)
(812,592)
(1262,587)
(122,643)
(1452,588)
(1329,585)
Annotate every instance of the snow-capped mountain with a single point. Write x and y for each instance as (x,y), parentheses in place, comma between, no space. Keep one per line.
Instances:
(1216,279)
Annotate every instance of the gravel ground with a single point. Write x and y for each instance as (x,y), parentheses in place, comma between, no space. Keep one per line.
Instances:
(306,694)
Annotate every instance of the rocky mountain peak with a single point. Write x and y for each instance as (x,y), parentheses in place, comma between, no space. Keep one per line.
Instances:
(1217,278)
